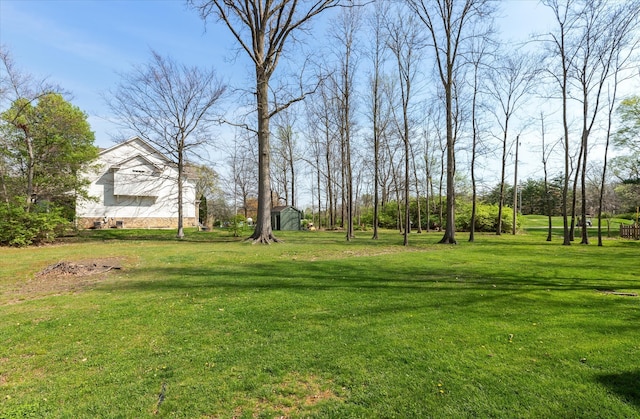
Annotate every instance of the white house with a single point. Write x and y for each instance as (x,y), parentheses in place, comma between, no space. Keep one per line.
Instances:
(135,186)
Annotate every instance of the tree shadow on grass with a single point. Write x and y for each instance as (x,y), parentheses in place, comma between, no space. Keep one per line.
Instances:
(626,385)
(347,274)
(159,235)
(357,287)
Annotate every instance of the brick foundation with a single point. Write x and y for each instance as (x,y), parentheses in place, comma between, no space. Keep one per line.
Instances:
(169,223)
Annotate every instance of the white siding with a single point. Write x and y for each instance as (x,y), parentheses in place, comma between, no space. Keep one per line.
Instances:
(135,180)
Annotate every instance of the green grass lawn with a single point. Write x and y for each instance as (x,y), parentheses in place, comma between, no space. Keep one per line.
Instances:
(533,222)
(509,326)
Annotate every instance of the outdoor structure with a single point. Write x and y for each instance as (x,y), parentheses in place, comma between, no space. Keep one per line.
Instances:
(135,186)
(286,218)
(630,231)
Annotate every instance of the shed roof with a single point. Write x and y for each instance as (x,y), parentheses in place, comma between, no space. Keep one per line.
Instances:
(284,207)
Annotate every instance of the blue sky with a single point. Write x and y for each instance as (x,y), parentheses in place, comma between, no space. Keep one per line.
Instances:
(83,44)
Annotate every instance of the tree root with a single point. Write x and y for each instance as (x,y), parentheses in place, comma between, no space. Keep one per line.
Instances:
(447,240)
(264,239)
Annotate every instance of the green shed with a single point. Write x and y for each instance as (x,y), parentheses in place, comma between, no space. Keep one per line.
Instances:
(286,218)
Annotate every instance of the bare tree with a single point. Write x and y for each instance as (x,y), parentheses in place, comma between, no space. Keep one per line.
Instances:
(546,152)
(433,158)
(170,105)
(477,57)
(560,50)
(344,37)
(511,84)
(619,63)
(378,121)
(606,30)
(314,162)
(286,155)
(263,28)
(404,40)
(325,111)
(242,180)
(450,24)
(416,177)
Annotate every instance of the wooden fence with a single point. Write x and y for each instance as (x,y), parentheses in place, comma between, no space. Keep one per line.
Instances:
(630,231)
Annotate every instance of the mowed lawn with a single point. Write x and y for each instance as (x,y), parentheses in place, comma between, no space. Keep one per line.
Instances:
(509,326)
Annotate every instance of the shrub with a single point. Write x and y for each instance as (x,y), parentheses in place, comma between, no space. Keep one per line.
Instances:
(627,216)
(237,225)
(21,227)
(486,217)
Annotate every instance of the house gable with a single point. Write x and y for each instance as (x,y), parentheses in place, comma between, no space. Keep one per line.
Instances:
(136,176)
(134,146)
(136,185)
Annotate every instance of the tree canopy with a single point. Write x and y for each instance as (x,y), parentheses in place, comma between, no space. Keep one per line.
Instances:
(626,167)
(44,145)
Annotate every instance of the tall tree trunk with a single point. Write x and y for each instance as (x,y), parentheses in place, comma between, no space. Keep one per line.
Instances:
(474,129)
(574,195)
(319,194)
(428,195)
(450,229)
(407,196)
(503,168)
(417,183)
(515,189)
(376,176)
(583,187)
(263,232)
(440,187)
(330,205)
(180,234)
(546,179)
(31,168)
(612,101)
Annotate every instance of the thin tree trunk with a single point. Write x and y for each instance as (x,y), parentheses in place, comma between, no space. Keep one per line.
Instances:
(574,197)
(515,190)
(546,181)
(417,183)
(583,181)
(606,154)
(31,163)
(319,194)
(330,197)
(376,181)
(180,234)
(474,194)
(503,169)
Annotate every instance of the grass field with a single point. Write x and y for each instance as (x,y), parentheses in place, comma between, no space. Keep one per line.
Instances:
(611,226)
(509,326)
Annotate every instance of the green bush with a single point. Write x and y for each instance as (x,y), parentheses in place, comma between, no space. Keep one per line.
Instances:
(237,225)
(387,216)
(21,227)
(627,216)
(486,217)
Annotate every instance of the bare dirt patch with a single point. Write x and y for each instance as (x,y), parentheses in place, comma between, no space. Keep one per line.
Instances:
(78,269)
(295,396)
(66,277)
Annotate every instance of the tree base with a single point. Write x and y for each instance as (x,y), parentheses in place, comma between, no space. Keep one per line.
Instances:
(263,239)
(448,240)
